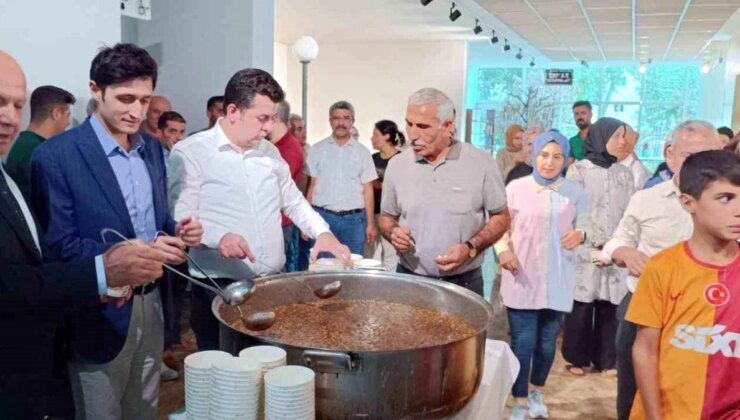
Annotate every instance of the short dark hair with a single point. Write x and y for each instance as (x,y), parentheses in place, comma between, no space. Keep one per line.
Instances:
(169,116)
(245,84)
(212,101)
(122,63)
(701,169)
(587,104)
(45,98)
(727,131)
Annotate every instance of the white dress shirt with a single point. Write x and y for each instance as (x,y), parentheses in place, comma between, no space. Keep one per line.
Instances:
(639,171)
(233,192)
(653,222)
(340,173)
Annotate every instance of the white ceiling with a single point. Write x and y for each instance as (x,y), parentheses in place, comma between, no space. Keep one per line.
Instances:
(556,29)
(597,30)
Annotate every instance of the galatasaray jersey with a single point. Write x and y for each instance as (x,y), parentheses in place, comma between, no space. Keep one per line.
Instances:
(697,308)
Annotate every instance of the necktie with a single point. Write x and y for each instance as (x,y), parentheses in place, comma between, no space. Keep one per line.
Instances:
(16,213)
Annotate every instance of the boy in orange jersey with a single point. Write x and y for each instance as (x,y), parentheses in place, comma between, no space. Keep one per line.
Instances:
(687,304)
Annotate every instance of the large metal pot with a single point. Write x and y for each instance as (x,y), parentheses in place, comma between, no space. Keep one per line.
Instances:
(424,382)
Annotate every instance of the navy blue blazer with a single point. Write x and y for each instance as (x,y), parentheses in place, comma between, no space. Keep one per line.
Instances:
(76,195)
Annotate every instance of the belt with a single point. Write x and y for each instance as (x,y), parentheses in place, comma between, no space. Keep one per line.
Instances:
(340,213)
(145,289)
(455,279)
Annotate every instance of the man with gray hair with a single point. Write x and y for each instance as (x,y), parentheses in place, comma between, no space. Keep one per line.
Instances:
(340,186)
(654,221)
(292,154)
(437,195)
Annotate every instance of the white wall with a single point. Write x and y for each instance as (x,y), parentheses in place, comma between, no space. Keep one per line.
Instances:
(199,45)
(377,78)
(56,45)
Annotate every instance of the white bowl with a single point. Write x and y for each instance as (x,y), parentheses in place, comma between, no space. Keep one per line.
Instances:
(204,359)
(368,263)
(356,257)
(236,365)
(267,356)
(289,376)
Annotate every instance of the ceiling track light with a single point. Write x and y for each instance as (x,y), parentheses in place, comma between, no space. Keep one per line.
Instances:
(454,13)
(506,47)
(584,63)
(425,2)
(532,63)
(477,30)
(644,66)
(494,38)
(519,54)
(706,68)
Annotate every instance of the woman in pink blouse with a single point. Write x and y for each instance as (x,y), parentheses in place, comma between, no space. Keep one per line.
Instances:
(547,214)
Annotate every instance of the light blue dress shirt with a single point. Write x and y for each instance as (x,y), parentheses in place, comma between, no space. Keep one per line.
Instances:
(133,179)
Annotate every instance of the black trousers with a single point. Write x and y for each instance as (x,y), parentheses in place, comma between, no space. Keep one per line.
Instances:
(172,289)
(204,323)
(626,382)
(589,334)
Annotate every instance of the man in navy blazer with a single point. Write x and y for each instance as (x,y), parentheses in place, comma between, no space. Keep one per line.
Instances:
(36,293)
(104,174)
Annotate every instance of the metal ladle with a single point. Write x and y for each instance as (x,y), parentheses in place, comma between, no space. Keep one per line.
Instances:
(237,292)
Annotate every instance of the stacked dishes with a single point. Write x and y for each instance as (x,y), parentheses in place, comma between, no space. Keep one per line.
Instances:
(269,357)
(235,389)
(290,393)
(198,381)
(328,264)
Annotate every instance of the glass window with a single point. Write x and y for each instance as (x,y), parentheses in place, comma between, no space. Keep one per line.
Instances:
(653,103)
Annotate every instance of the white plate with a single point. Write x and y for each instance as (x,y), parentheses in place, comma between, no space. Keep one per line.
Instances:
(266,355)
(356,257)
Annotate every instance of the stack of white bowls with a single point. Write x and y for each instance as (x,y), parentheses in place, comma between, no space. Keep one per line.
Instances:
(269,357)
(328,264)
(290,393)
(198,381)
(235,391)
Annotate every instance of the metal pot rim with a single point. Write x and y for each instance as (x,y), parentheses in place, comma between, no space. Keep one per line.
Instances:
(441,284)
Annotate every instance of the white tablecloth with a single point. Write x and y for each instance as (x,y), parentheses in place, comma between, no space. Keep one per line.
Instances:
(499,374)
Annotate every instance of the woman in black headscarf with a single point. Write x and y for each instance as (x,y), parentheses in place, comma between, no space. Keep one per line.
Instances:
(590,329)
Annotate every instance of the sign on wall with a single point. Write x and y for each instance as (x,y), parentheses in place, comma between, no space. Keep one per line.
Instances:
(139,9)
(558,77)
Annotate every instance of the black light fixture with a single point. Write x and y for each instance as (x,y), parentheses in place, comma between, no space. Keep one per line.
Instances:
(477,30)
(532,63)
(584,63)
(454,13)
(425,2)
(519,54)
(506,46)
(494,38)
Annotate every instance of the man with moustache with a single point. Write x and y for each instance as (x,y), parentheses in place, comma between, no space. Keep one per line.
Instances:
(340,188)
(106,174)
(36,293)
(582,116)
(437,196)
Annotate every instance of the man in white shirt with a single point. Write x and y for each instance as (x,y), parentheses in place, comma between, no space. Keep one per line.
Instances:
(340,187)
(654,221)
(237,184)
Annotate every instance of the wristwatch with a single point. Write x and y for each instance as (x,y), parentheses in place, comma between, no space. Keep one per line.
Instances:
(473,252)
